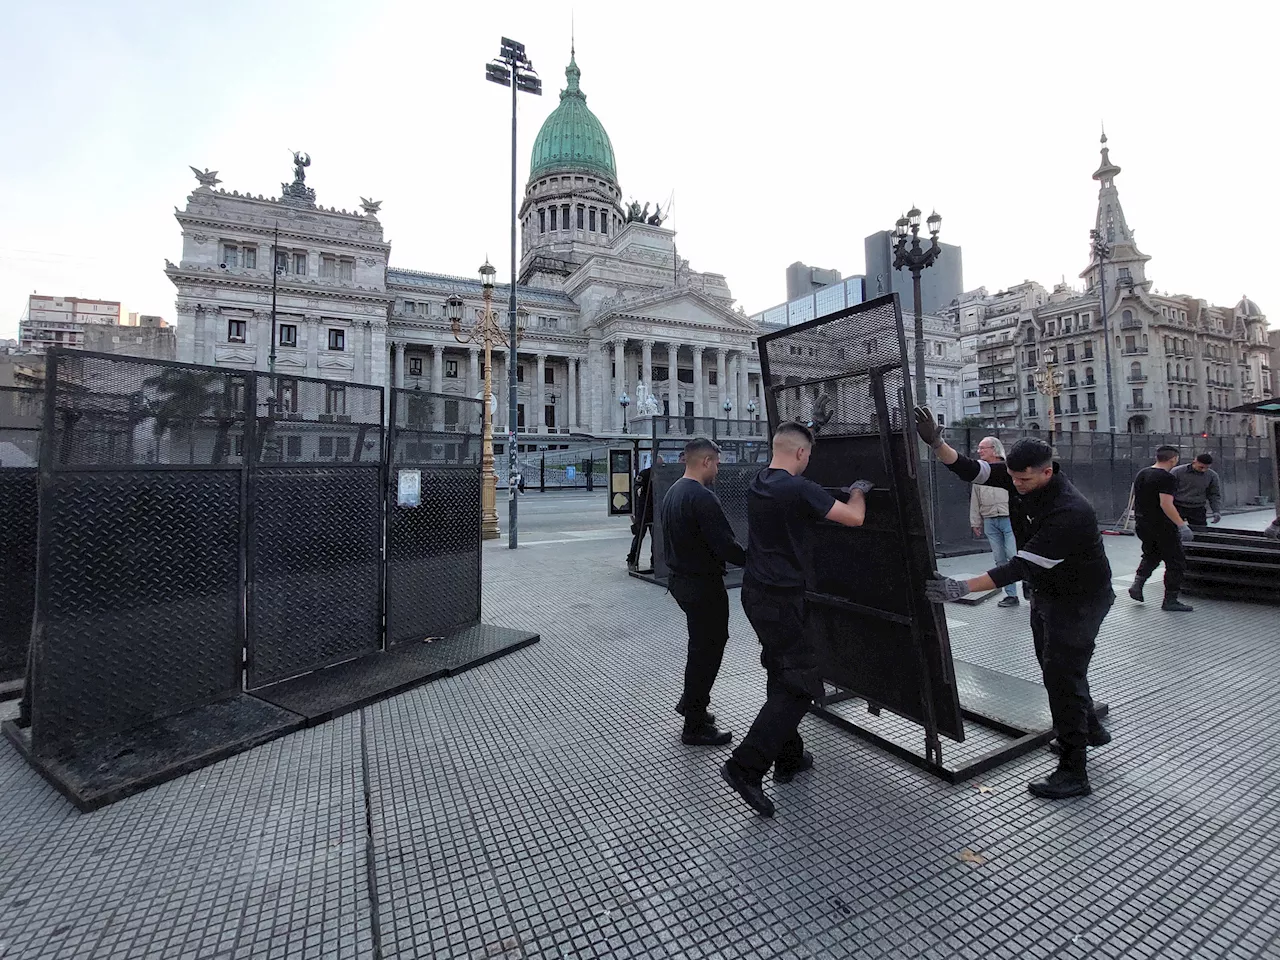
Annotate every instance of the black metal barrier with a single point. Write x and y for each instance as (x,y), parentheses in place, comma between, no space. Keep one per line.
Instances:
(210,567)
(730,486)
(20,419)
(879,638)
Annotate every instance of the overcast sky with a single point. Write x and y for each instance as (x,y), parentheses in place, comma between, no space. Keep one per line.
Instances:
(787,136)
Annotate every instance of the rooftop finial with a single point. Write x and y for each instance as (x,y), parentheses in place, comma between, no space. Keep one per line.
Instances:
(571,35)
(1104,133)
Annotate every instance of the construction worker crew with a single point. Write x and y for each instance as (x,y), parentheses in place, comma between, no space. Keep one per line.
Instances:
(989,516)
(1060,553)
(697,542)
(1161,528)
(1198,486)
(782,510)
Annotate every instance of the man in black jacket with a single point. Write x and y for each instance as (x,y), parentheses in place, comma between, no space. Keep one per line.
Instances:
(642,513)
(697,542)
(1060,553)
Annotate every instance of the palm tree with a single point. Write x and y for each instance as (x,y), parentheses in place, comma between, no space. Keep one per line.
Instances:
(185,397)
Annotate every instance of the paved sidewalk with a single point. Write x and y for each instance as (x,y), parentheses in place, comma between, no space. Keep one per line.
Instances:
(543,806)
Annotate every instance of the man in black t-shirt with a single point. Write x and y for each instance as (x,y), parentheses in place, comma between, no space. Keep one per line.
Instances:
(1161,529)
(642,515)
(697,542)
(782,509)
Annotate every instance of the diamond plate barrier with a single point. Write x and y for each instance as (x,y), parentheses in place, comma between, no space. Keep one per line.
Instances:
(879,638)
(20,417)
(730,487)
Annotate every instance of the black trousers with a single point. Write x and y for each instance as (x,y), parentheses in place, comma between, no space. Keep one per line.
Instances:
(705,603)
(1196,516)
(794,681)
(1065,631)
(1161,544)
(637,541)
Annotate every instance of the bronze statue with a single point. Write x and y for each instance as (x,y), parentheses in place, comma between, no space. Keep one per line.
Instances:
(656,219)
(300,163)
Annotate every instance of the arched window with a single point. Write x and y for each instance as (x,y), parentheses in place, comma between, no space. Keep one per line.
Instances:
(1071,378)
(1126,316)
(1135,370)
(1088,374)
(1168,369)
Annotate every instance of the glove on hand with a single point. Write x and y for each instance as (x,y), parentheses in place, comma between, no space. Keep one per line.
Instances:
(1273,531)
(1185,533)
(942,589)
(1217,518)
(928,428)
(866,486)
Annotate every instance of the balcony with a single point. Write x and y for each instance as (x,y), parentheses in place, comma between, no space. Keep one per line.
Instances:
(1137,407)
(1184,405)
(1130,324)
(1138,378)
(1135,351)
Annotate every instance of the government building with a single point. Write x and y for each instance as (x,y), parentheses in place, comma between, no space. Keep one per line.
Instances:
(603,297)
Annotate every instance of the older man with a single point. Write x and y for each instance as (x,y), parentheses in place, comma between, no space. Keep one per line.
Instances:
(989,516)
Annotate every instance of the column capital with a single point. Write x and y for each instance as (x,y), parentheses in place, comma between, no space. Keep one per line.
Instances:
(542,356)
(312,320)
(697,350)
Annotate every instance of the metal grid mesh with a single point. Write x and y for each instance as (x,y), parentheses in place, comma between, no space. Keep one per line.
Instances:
(317,421)
(21,414)
(433,549)
(115,411)
(819,372)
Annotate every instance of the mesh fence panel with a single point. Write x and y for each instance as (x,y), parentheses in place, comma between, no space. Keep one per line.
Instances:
(436,428)
(317,421)
(21,412)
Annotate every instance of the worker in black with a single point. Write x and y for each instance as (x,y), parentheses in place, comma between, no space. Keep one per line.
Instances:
(1060,553)
(697,542)
(642,514)
(782,509)
(1161,529)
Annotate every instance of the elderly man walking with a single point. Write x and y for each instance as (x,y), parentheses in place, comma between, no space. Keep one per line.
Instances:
(989,516)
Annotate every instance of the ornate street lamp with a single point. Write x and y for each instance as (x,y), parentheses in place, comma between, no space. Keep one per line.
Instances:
(916,260)
(751,414)
(624,401)
(1049,382)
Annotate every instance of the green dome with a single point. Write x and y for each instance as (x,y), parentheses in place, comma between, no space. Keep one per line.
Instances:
(572,137)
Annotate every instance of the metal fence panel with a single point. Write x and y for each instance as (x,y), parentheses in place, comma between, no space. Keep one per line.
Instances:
(21,413)
(434,545)
(138,613)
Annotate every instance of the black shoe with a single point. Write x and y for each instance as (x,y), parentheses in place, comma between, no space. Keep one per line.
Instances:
(708,717)
(1177,606)
(1135,591)
(705,735)
(1008,601)
(785,773)
(753,793)
(1061,784)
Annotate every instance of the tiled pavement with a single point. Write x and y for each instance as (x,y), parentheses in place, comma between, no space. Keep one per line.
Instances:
(542,806)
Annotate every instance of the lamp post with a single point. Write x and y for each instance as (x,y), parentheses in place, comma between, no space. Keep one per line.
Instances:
(624,401)
(727,406)
(1102,250)
(751,414)
(512,68)
(1049,382)
(488,331)
(275,275)
(916,260)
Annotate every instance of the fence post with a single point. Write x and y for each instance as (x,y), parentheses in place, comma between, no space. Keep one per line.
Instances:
(542,474)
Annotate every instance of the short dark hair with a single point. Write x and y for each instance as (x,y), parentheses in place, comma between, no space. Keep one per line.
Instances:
(700,447)
(795,428)
(1165,453)
(1029,453)
(1205,458)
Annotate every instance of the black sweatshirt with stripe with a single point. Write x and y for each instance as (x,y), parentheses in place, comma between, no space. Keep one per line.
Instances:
(1060,551)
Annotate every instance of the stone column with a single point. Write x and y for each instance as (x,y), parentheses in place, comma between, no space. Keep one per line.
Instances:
(473,372)
(540,396)
(619,381)
(673,379)
(400,363)
(437,368)
(699,395)
(646,369)
(313,346)
(722,382)
(262,338)
(571,401)
(501,390)
(744,377)
(378,352)
(595,360)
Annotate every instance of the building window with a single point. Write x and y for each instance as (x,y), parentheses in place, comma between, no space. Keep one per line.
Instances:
(1093,424)
(288,396)
(1074,403)
(592,219)
(288,334)
(1137,396)
(328,266)
(346,269)
(549,375)
(1124,274)
(337,339)
(230,255)
(335,400)
(519,416)
(604,223)
(519,373)
(1031,406)
(1088,350)
(938,388)
(1057,405)
(660,373)
(300,264)
(542,221)
(581,215)
(1075,426)
(711,377)
(451,369)
(564,215)
(293,448)
(415,366)
(684,376)
(1071,377)
(335,448)
(235,331)
(1031,381)
(1071,353)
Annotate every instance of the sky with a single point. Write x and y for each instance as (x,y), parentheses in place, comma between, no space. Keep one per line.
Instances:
(785,135)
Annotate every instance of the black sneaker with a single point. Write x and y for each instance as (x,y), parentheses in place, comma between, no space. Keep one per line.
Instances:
(1177,606)
(705,735)
(753,793)
(1135,591)
(785,773)
(1008,601)
(1061,784)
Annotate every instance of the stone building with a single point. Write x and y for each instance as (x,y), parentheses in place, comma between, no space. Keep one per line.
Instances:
(604,298)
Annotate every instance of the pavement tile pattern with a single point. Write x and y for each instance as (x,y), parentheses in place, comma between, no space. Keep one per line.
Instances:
(543,806)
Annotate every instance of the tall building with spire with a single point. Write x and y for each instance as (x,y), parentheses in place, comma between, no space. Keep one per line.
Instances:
(1177,363)
(606,300)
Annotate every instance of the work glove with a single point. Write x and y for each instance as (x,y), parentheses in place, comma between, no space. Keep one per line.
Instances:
(1273,531)
(1185,533)
(942,589)
(866,486)
(1217,518)
(928,428)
